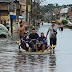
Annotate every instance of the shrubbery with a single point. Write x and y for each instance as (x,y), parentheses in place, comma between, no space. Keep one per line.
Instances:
(64,21)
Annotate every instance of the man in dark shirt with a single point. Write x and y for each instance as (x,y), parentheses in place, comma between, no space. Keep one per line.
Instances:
(33,36)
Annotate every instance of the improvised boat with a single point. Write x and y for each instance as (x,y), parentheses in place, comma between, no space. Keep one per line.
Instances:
(29,52)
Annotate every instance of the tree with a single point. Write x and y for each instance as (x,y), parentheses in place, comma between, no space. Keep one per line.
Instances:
(64,21)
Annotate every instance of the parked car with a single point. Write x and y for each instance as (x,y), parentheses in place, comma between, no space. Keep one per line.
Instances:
(4,32)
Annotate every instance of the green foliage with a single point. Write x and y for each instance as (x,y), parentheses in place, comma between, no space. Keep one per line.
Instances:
(42,18)
(50,7)
(64,21)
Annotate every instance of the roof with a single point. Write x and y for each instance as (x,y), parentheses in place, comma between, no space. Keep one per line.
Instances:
(7,1)
(64,10)
(69,13)
(23,4)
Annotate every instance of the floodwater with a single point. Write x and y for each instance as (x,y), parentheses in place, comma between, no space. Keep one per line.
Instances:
(60,61)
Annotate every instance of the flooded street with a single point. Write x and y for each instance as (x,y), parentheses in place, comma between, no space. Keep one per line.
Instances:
(60,61)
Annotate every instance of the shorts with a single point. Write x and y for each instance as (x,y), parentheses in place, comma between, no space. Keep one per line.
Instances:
(53,41)
(39,48)
(21,37)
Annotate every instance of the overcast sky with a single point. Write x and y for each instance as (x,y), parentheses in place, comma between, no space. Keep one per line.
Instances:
(60,2)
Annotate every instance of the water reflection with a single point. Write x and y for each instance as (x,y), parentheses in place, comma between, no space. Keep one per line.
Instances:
(35,63)
(31,63)
(52,62)
(13,61)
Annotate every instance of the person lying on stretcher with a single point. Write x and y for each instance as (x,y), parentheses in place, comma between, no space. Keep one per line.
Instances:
(41,43)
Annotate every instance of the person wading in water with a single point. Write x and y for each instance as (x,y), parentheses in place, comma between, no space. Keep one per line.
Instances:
(21,30)
(53,33)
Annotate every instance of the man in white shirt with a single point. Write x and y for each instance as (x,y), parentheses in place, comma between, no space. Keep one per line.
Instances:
(53,33)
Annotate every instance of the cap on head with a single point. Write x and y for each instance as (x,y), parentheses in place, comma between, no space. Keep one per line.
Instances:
(53,21)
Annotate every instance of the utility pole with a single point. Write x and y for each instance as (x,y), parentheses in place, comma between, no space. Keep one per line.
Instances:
(12,27)
(26,10)
(17,10)
(17,13)
(34,11)
(31,12)
(38,8)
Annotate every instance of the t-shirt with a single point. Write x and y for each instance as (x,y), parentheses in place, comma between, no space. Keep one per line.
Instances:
(33,36)
(26,39)
(8,24)
(53,31)
(42,40)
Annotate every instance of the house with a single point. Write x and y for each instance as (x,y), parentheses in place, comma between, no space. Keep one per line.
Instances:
(7,6)
(4,8)
(70,14)
(64,13)
(57,13)
(23,9)
(49,16)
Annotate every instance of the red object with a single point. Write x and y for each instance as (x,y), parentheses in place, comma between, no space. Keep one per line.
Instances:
(53,21)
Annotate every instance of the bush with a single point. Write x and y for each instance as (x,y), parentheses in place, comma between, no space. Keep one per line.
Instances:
(64,21)
(42,19)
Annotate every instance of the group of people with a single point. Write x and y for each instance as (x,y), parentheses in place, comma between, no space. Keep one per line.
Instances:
(33,40)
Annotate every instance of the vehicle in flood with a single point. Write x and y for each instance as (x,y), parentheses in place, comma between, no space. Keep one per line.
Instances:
(4,33)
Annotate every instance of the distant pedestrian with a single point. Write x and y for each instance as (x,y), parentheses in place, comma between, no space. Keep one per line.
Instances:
(8,24)
(42,23)
(61,28)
